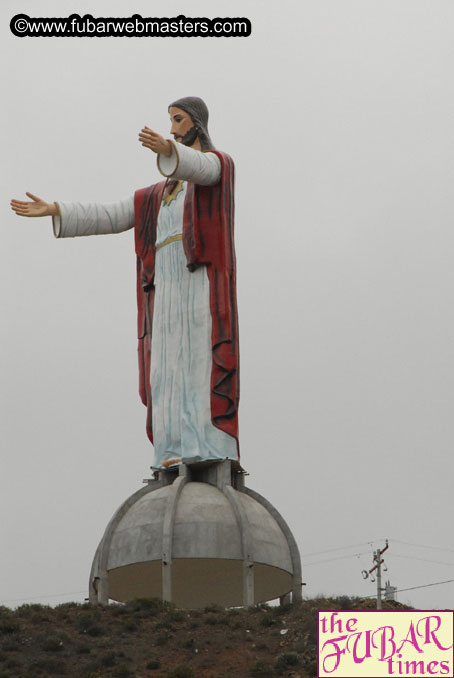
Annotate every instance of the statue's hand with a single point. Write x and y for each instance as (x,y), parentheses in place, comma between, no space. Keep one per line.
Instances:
(36,208)
(154,141)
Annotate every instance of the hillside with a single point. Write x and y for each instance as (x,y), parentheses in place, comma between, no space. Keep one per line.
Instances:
(152,639)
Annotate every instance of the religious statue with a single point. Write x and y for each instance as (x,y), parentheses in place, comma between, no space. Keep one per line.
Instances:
(186,286)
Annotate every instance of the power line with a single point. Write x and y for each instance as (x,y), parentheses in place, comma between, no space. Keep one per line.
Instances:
(357,555)
(437,583)
(339,548)
(370,543)
(423,546)
(330,560)
(413,588)
(424,560)
(47,595)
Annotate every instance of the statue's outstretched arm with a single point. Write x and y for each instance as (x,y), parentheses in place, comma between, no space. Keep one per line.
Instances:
(76,219)
(79,219)
(37,207)
(190,164)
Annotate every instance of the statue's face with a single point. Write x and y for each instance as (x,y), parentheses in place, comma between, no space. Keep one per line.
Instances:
(181,123)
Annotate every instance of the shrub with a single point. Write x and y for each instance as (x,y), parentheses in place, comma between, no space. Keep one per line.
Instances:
(49,666)
(175,616)
(86,619)
(233,612)
(149,605)
(35,612)
(345,603)
(181,671)
(118,610)
(68,606)
(154,664)
(310,666)
(9,626)
(62,616)
(87,622)
(122,672)
(163,625)
(223,619)
(83,649)
(287,659)
(283,609)
(52,644)
(259,607)
(208,663)
(260,668)
(107,658)
(162,638)
(92,669)
(211,619)
(214,608)
(12,663)
(130,625)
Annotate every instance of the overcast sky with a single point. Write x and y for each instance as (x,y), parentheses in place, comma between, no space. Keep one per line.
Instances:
(339,116)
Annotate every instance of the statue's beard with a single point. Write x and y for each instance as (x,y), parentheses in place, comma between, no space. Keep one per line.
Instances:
(189,138)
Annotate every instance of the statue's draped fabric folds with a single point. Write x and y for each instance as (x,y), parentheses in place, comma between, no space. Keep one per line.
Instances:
(208,257)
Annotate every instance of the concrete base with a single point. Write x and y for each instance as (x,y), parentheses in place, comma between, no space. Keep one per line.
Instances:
(195,535)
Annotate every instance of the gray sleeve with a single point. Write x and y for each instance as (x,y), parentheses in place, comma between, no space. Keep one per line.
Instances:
(190,165)
(77,219)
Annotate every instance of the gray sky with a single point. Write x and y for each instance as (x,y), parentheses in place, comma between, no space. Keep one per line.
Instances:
(338,115)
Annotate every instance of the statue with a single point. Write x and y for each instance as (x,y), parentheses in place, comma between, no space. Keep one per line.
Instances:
(186,286)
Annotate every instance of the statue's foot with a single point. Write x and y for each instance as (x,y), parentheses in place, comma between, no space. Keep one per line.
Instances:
(170,462)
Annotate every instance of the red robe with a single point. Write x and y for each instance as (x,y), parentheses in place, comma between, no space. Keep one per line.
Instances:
(208,225)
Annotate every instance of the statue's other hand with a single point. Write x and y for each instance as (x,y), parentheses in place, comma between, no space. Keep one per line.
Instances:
(154,141)
(36,208)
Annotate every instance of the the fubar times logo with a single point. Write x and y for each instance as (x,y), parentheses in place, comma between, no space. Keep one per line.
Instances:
(365,644)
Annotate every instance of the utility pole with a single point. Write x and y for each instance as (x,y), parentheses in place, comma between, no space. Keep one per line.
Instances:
(377,567)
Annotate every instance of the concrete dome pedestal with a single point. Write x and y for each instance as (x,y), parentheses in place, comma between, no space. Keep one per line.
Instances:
(196,535)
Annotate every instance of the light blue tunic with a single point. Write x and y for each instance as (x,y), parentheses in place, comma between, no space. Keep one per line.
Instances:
(181,356)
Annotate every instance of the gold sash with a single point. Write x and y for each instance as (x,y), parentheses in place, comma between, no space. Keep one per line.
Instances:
(167,241)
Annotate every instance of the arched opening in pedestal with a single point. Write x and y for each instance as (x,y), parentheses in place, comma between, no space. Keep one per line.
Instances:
(198,582)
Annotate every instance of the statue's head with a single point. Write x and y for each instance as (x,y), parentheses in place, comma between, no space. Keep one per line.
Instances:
(189,117)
